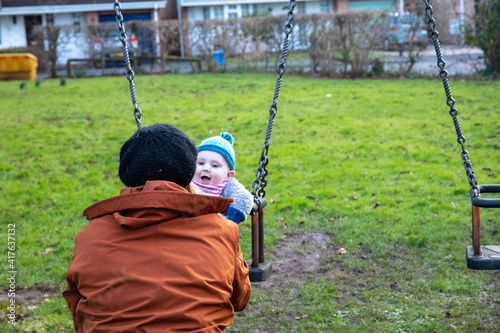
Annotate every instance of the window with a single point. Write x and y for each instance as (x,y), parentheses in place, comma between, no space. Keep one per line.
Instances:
(206,13)
(49,18)
(76,27)
(218,12)
(245,10)
(232,12)
(325,6)
(301,8)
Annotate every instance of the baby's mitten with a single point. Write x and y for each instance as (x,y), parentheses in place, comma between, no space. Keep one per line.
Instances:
(235,215)
(242,200)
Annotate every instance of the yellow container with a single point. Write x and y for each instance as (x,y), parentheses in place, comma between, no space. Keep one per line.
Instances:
(18,66)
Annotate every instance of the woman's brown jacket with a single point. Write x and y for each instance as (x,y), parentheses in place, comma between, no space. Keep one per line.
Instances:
(157,259)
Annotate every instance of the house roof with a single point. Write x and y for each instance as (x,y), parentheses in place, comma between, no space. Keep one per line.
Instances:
(27,7)
(29,3)
(203,3)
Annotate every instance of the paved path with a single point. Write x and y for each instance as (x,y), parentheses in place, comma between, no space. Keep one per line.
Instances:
(458,61)
(462,60)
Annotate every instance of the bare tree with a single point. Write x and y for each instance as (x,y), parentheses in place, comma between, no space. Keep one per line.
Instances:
(322,41)
(54,39)
(271,33)
(100,32)
(359,34)
(413,44)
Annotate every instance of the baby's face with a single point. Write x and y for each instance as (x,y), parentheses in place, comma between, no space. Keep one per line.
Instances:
(212,168)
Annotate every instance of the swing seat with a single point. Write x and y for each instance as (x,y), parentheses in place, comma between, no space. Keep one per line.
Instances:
(261,273)
(482,257)
(488,260)
(260,269)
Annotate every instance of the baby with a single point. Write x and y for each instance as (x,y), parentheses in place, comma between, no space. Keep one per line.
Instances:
(215,175)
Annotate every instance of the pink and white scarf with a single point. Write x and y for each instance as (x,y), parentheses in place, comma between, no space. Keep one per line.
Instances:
(214,190)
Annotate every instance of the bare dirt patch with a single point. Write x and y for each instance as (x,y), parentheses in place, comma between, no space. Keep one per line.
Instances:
(298,257)
(297,260)
(30,296)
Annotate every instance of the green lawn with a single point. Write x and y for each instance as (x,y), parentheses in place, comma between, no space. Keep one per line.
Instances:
(375,168)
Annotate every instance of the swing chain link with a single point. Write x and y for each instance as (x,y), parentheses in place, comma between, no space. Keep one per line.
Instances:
(130,73)
(260,182)
(433,34)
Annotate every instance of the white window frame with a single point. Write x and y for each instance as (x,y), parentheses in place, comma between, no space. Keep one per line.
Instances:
(235,11)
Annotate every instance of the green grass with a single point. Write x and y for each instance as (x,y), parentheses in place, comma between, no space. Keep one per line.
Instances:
(383,143)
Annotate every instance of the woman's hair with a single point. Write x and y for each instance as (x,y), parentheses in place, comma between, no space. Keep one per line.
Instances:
(191,188)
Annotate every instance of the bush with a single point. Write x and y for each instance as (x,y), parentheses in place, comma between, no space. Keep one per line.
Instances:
(485,34)
(377,67)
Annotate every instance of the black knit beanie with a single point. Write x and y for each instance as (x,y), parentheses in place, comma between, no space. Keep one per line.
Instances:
(157,152)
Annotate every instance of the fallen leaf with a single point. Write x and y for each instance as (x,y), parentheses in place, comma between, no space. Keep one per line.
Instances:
(286,209)
(285,226)
(303,316)
(47,250)
(453,204)
(301,223)
(354,197)
(376,205)
(451,327)
(273,201)
(341,251)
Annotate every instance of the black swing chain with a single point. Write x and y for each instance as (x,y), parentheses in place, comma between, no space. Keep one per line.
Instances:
(260,182)
(433,33)
(130,73)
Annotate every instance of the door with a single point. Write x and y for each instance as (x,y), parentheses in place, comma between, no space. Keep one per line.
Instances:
(30,22)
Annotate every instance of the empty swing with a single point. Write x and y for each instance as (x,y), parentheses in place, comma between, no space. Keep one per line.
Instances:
(479,257)
(260,270)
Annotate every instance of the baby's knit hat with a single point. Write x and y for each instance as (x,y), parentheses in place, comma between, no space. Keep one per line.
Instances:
(157,152)
(223,145)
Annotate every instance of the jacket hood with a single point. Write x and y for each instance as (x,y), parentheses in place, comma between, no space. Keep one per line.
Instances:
(155,202)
